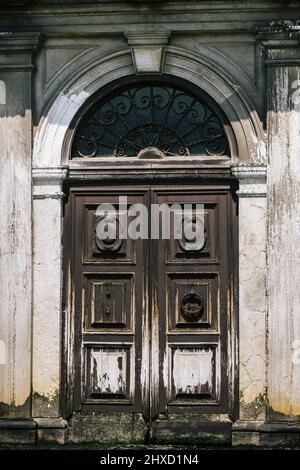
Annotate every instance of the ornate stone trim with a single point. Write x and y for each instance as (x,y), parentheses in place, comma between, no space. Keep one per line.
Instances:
(12,41)
(47,182)
(49,174)
(281,41)
(252,179)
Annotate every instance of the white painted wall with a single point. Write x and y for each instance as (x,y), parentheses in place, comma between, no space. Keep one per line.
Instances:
(252,291)
(47,292)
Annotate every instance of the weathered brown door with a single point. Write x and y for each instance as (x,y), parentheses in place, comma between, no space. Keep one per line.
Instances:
(153,318)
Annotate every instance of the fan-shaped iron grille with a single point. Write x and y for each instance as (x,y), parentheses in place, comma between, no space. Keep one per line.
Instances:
(171,119)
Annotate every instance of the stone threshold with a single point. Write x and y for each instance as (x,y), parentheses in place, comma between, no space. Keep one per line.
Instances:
(33,431)
(269,435)
(51,433)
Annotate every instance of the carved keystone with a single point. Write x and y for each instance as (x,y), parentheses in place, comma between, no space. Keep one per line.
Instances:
(148,50)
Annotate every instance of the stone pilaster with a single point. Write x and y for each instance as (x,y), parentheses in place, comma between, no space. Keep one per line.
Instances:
(281,43)
(16,66)
(47,287)
(252,291)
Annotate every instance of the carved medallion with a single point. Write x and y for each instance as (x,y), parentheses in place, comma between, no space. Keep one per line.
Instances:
(108,243)
(195,237)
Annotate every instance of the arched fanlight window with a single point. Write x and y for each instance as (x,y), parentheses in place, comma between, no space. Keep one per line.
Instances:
(151,118)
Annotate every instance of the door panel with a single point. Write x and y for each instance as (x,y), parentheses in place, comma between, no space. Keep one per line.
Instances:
(191,312)
(110,310)
(153,317)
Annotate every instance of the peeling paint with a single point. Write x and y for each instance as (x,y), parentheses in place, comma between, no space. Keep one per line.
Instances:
(2,93)
(252,303)
(15,247)
(2,352)
(255,409)
(108,371)
(285,405)
(193,371)
(44,406)
(15,411)
(283,245)
(155,353)
(146,344)
(283,414)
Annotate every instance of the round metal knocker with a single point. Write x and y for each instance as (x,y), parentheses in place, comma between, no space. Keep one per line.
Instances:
(192,307)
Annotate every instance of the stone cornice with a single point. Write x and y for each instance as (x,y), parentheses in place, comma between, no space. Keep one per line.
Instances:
(47,182)
(49,175)
(112,15)
(287,26)
(281,43)
(250,172)
(17,50)
(152,37)
(205,4)
(23,42)
(252,180)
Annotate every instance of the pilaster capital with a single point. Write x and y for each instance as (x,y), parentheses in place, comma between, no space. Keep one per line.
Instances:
(47,182)
(252,180)
(281,43)
(17,49)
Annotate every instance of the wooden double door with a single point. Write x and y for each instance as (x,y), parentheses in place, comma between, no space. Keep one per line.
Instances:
(153,317)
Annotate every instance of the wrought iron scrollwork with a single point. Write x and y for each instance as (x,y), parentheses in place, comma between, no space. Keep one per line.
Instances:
(161,116)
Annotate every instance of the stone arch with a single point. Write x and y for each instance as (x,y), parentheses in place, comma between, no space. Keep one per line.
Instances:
(49,150)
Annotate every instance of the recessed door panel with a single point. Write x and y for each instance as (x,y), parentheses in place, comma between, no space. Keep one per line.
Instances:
(193,374)
(109,301)
(193,302)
